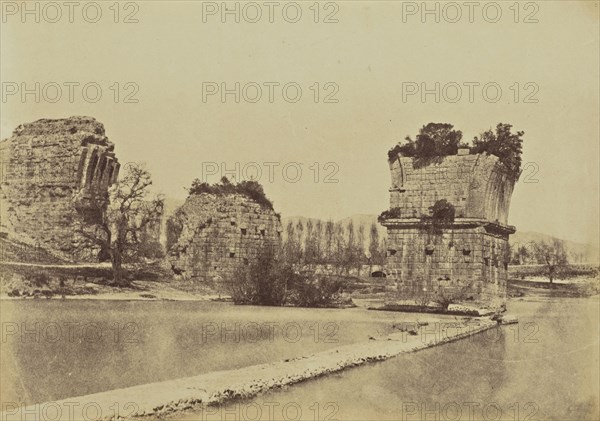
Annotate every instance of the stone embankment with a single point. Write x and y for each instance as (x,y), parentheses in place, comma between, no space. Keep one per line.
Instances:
(166,398)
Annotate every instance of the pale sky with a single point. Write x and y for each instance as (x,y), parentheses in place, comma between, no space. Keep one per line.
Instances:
(369,54)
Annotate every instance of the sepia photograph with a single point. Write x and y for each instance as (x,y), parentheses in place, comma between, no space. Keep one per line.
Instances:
(310,210)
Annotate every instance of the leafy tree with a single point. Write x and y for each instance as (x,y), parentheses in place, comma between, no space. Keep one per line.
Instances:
(502,143)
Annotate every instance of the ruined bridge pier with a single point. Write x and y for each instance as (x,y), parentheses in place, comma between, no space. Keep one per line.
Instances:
(466,259)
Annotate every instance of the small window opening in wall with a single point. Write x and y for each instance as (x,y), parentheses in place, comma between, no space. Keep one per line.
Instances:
(215,268)
(505,266)
(245,261)
(466,251)
(231,254)
(428,252)
(487,261)
(262,232)
(392,252)
(244,231)
(233,223)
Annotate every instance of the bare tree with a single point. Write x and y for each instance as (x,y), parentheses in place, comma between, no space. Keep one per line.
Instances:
(339,247)
(309,246)
(374,245)
(124,215)
(318,240)
(360,248)
(329,241)
(553,256)
(291,246)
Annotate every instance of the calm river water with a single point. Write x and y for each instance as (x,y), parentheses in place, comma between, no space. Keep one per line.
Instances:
(546,367)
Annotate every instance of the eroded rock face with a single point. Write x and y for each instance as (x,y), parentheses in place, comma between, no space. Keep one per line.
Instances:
(466,259)
(211,237)
(50,171)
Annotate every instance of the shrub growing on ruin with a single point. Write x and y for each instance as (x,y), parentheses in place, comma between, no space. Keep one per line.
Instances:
(392,213)
(251,189)
(440,139)
(504,144)
(434,139)
(441,216)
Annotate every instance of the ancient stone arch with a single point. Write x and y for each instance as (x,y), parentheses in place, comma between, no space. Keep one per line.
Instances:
(468,255)
(48,207)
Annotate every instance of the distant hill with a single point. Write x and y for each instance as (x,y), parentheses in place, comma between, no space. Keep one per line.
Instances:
(586,252)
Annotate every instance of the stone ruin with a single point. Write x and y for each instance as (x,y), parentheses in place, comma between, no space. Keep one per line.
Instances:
(50,171)
(468,258)
(211,237)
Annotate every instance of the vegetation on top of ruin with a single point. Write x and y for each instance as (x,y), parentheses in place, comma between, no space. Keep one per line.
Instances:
(441,215)
(393,213)
(441,139)
(251,189)
(504,144)
(434,139)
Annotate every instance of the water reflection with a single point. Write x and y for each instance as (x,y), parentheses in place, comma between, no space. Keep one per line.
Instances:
(54,349)
(546,367)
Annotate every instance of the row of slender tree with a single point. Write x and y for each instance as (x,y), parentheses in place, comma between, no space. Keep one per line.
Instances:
(333,243)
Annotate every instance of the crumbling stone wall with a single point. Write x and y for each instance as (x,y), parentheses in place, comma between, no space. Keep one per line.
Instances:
(50,170)
(467,258)
(217,235)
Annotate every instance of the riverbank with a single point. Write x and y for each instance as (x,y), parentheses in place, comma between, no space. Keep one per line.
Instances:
(165,398)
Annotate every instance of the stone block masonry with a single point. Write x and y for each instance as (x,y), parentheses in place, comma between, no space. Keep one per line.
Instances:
(50,170)
(466,259)
(215,236)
